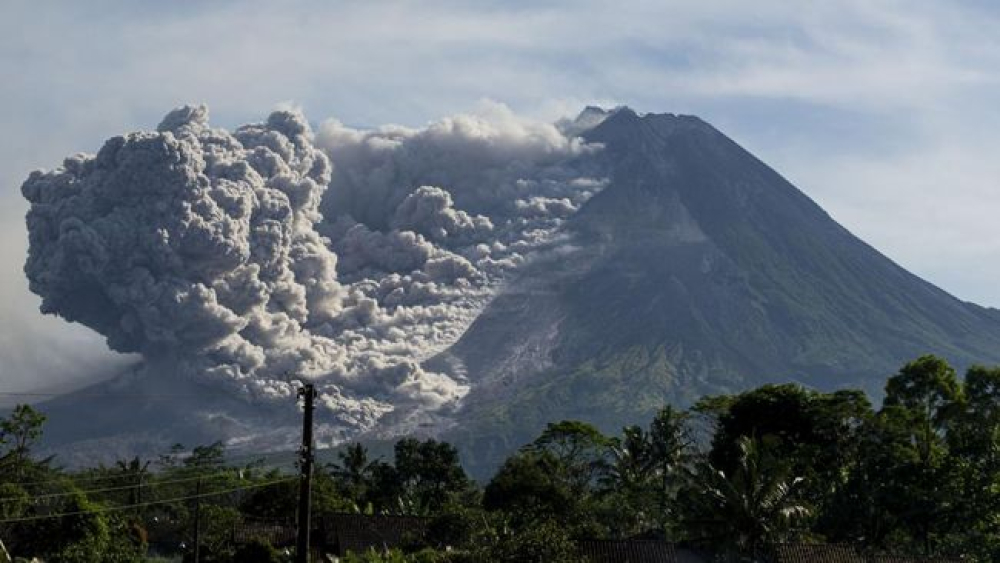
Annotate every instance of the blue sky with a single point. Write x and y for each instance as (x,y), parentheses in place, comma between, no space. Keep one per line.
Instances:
(884,112)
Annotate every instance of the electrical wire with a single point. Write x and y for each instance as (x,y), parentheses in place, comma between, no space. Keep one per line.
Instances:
(145,504)
(225,464)
(202,472)
(149,484)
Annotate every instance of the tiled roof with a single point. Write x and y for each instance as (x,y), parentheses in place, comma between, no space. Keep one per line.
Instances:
(276,533)
(829,553)
(901,559)
(627,551)
(816,553)
(358,532)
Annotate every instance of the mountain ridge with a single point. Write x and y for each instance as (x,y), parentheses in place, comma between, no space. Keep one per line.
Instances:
(696,270)
(707,272)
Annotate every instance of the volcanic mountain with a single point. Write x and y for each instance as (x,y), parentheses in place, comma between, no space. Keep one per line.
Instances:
(698,270)
(695,269)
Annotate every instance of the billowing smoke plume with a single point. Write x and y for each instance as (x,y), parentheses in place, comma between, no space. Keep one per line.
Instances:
(487,165)
(192,244)
(491,188)
(247,259)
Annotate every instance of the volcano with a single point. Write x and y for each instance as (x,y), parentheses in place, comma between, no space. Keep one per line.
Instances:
(690,268)
(698,270)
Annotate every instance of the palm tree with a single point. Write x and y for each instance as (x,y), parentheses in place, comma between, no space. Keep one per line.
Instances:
(133,472)
(670,444)
(626,480)
(754,505)
(631,463)
(353,473)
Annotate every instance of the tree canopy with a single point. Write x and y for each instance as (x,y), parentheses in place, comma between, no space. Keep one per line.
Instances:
(919,475)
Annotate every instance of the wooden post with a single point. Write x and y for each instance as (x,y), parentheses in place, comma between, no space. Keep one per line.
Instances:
(308,394)
(197,523)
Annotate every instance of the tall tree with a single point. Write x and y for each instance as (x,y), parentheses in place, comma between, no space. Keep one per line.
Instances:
(922,403)
(755,503)
(928,389)
(581,449)
(133,473)
(974,453)
(630,466)
(670,445)
(816,433)
(531,487)
(425,475)
(352,475)
(626,481)
(18,432)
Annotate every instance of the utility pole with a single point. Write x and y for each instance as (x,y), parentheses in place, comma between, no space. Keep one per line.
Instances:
(306,459)
(197,522)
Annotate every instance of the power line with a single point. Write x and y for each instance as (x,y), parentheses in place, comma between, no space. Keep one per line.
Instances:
(144,504)
(203,472)
(207,468)
(246,457)
(149,484)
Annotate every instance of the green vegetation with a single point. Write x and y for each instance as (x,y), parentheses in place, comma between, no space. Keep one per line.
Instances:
(734,474)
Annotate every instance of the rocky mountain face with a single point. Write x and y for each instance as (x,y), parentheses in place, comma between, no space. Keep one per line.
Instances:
(698,270)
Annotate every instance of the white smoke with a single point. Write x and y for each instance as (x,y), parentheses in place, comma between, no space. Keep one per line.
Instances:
(490,187)
(430,211)
(194,245)
(216,253)
(486,162)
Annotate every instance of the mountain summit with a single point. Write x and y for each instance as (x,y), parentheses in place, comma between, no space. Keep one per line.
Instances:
(475,280)
(697,270)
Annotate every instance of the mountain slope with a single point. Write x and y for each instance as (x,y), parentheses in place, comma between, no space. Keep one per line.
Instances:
(697,270)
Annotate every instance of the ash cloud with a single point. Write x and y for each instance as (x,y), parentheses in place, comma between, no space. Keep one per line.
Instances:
(486,162)
(430,211)
(191,242)
(268,254)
